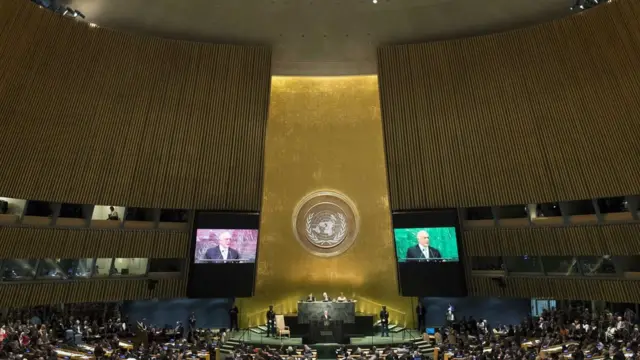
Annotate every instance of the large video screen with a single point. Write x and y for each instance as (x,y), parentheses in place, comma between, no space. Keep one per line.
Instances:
(225,245)
(223,257)
(437,244)
(427,246)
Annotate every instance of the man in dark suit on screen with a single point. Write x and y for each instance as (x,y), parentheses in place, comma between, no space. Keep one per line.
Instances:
(423,251)
(222,251)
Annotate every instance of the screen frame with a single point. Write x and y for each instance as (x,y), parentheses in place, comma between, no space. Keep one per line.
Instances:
(430,218)
(223,220)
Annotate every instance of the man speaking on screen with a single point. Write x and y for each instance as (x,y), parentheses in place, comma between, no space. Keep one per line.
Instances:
(222,251)
(423,250)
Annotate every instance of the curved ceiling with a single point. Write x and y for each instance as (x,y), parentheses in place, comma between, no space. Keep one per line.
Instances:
(319,37)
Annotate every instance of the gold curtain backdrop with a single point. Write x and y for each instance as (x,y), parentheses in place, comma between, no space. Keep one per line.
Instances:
(30,294)
(534,115)
(94,116)
(583,240)
(561,288)
(325,133)
(37,243)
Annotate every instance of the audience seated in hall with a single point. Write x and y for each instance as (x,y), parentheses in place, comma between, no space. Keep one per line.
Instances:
(552,335)
(82,330)
(87,329)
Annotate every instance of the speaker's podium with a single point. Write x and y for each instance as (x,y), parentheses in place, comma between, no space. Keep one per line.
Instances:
(326,331)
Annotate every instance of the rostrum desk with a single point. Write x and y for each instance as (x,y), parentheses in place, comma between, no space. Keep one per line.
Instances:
(311,311)
(321,331)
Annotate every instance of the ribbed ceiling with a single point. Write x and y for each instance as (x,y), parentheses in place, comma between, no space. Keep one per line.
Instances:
(320,37)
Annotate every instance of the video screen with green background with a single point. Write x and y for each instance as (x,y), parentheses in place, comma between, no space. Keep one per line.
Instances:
(442,239)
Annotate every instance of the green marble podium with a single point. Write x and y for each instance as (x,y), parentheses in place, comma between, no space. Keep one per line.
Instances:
(309,312)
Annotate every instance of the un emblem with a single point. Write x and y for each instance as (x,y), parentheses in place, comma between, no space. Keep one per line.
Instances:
(325,223)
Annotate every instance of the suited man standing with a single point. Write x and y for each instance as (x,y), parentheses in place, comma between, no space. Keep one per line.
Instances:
(271,322)
(192,322)
(222,251)
(384,321)
(326,316)
(420,313)
(233,316)
(423,251)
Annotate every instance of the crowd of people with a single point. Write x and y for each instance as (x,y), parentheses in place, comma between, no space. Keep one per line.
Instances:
(404,352)
(250,352)
(102,332)
(575,334)
(47,334)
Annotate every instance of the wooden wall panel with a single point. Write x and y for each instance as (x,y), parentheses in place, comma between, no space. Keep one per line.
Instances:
(36,243)
(96,116)
(534,115)
(32,294)
(583,240)
(612,290)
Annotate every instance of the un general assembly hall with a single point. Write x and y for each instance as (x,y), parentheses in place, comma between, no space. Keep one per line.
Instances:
(320,179)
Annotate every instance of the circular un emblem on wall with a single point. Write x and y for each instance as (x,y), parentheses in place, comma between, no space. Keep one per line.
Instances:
(325,223)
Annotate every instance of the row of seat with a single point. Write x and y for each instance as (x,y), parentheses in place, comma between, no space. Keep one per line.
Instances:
(424,347)
(230,345)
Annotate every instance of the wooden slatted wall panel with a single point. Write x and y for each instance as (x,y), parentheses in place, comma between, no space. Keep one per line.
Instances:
(584,240)
(96,116)
(37,243)
(24,294)
(557,288)
(534,115)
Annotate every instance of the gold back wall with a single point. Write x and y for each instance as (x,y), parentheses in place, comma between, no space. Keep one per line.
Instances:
(528,116)
(579,240)
(95,116)
(21,295)
(40,243)
(325,133)
(567,288)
